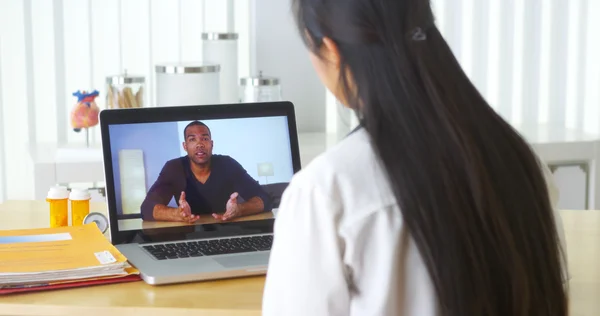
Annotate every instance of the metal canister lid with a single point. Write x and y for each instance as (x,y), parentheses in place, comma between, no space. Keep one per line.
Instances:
(219,36)
(259,81)
(125,79)
(187,68)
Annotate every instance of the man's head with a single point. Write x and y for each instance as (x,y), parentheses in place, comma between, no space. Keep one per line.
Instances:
(198,142)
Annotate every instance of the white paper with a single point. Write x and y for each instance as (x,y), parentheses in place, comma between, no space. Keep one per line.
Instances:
(105,257)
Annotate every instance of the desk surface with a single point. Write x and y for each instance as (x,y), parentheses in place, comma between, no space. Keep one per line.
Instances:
(138,223)
(243,296)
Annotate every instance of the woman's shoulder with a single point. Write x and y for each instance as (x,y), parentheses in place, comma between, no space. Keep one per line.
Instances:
(349,173)
(352,148)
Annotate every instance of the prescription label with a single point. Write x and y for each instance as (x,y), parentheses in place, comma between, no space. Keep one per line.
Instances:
(105,257)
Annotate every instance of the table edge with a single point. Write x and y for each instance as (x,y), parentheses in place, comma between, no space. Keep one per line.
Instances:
(49,309)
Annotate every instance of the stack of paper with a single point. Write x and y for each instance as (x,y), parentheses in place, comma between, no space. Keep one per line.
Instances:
(44,257)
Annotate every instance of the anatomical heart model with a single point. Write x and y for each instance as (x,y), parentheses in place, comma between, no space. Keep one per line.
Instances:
(85,113)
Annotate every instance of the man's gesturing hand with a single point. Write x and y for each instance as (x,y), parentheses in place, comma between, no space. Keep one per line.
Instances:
(233,209)
(184,212)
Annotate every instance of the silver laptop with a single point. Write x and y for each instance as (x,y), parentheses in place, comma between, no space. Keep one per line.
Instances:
(152,155)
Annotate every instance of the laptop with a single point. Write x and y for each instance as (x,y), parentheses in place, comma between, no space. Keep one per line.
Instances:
(140,148)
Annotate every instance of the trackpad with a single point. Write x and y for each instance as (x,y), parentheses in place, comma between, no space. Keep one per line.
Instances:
(245,260)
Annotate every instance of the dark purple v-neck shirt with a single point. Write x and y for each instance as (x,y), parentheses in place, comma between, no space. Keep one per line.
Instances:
(226,177)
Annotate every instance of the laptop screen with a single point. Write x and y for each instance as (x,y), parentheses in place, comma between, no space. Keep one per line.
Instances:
(187,176)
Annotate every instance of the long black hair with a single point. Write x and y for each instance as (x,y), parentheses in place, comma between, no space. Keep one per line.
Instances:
(471,191)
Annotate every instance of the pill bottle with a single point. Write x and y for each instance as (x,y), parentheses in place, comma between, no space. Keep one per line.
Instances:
(80,206)
(58,198)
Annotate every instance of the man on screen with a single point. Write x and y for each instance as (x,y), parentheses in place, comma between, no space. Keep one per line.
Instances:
(203,183)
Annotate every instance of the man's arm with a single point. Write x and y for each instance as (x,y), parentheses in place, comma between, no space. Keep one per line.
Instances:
(257,200)
(155,206)
(164,213)
(253,206)
(234,209)
(183,213)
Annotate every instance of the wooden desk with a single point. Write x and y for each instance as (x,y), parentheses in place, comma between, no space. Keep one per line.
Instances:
(243,296)
(234,297)
(582,230)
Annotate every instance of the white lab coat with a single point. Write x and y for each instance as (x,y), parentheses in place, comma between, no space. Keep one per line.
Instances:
(340,245)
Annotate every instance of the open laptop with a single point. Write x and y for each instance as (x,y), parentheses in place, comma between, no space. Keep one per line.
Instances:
(137,144)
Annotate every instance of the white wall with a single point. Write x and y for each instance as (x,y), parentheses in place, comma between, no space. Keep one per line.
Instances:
(280,52)
(57,47)
(15,99)
(52,48)
(535,61)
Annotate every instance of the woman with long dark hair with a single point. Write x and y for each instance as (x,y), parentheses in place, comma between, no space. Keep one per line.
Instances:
(434,206)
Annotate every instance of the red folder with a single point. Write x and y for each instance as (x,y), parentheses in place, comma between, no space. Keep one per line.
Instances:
(129,278)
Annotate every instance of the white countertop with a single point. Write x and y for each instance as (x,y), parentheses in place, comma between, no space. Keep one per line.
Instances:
(51,153)
(312,144)
(549,134)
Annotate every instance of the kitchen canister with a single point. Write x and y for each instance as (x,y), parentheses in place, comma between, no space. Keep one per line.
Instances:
(260,89)
(125,91)
(187,84)
(222,49)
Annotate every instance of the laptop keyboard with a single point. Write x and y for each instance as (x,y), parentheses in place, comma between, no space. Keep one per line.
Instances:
(213,247)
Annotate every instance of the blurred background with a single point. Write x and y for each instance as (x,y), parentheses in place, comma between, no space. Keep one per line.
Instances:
(536,62)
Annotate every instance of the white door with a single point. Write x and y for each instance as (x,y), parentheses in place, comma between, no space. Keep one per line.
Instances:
(133,180)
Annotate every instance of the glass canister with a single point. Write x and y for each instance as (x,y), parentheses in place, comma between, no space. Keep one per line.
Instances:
(125,91)
(222,49)
(260,89)
(187,84)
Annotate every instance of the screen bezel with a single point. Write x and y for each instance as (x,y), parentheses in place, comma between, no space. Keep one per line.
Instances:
(188,113)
